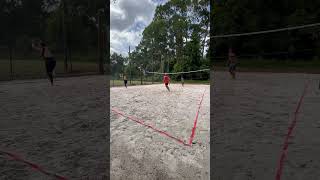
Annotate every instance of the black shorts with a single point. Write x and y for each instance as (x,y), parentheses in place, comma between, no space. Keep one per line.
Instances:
(50,64)
(232,67)
(125,81)
(166,84)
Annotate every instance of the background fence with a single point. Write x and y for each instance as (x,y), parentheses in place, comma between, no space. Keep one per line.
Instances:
(74,31)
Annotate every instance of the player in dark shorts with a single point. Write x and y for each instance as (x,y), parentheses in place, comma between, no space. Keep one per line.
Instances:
(125,80)
(232,62)
(166,81)
(46,54)
(182,80)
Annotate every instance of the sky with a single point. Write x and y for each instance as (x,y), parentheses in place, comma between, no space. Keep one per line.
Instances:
(127,22)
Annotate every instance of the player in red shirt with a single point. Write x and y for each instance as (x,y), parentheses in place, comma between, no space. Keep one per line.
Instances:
(166,81)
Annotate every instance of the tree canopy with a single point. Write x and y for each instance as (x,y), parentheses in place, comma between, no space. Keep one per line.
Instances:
(232,16)
(54,21)
(176,38)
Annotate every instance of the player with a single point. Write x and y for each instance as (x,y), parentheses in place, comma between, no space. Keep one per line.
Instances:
(166,81)
(48,57)
(125,80)
(232,62)
(182,80)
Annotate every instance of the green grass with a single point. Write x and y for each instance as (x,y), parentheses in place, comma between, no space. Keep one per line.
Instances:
(275,65)
(36,68)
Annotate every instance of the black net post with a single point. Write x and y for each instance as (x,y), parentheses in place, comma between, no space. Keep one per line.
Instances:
(101,41)
(11,63)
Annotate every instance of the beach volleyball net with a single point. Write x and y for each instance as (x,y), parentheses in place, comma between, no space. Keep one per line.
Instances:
(145,77)
(285,47)
(194,76)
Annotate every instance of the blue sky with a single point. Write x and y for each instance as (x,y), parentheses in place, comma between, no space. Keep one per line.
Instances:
(128,18)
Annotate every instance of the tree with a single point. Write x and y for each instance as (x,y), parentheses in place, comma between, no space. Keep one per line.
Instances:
(176,37)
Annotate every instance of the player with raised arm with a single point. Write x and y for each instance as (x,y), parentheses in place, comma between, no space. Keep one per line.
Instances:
(46,54)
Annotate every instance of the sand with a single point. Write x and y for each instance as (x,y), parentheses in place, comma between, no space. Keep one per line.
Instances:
(251,116)
(60,128)
(138,152)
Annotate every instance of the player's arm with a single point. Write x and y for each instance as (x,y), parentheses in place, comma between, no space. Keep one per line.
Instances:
(35,47)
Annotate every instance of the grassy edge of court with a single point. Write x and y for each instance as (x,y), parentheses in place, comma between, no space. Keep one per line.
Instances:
(117,83)
(285,66)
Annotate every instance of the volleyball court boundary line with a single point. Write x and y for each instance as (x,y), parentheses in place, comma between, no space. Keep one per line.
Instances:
(32,165)
(284,150)
(180,141)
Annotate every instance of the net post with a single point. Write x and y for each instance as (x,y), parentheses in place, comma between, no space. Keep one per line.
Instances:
(141,78)
(130,66)
(11,64)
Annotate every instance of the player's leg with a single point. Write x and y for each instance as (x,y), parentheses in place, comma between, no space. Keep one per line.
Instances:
(230,70)
(234,71)
(166,84)
(51,66)
(48,70)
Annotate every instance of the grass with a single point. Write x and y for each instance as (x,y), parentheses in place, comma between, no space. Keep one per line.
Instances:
(312,66)
(36,68)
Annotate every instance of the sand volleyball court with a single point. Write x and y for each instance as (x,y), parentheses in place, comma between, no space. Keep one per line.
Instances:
(60,129)
(253,116)
(156,134)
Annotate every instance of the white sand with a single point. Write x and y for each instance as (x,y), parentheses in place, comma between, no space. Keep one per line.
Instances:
(32,115)
(138,152)
(251,117)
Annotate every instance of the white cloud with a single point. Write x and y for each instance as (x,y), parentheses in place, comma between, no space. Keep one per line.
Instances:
(127,21)
(121,40)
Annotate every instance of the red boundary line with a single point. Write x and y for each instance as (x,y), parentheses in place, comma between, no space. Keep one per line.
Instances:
(164,132)
(284,150)
(33,165)
(195,121)
(149,126)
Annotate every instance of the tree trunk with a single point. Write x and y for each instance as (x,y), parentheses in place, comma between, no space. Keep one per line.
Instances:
(204,40)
